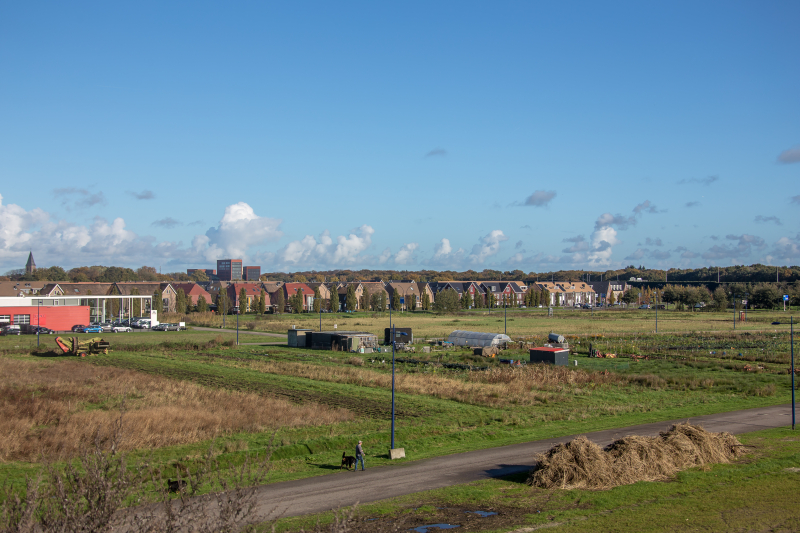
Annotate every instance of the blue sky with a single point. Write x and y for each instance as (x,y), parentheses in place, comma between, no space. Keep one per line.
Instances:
(512,135)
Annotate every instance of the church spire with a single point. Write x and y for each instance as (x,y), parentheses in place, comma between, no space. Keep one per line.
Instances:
(30,266)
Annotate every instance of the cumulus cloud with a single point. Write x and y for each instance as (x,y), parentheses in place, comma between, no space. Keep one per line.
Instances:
(437,152)
(653,242)
(167,222)
(763,219)
(638,254)
(81,198)
(579,244)
(660,254)
(487,247)
(701,181)
(144,195)
(518,245)
(742,249)
(62,242)
(792,155)
(239,229)
(406,254)
(345,250)
(444,255)
(540,198)
(787,248)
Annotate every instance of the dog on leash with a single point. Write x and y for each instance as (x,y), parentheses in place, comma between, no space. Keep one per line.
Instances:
(348,461)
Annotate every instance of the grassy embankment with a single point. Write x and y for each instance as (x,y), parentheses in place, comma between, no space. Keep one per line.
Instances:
(184,390)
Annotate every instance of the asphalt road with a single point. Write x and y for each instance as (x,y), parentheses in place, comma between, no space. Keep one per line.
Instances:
(323,493)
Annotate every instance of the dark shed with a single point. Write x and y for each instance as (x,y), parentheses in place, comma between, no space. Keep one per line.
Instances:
(407,338)
(553,356)
(300,338)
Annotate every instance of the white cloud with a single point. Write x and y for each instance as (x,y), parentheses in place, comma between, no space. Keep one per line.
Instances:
(743,248)
(787,248)
(346,250)
(406,254)
(487,247)
(444,255)
(239,229)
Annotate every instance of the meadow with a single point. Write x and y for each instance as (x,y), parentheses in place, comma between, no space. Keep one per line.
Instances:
(183,393)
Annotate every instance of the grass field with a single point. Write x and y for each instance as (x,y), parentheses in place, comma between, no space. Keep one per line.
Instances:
(185,392)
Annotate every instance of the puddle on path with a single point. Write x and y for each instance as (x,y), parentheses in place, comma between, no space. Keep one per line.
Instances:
(482,514)
(424,529)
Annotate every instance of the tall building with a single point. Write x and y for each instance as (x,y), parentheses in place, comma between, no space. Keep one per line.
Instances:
(252,273)
(30,266)
(229,269)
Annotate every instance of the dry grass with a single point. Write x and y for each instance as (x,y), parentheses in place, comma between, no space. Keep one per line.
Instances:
(53,408)
(499,387)
(582,464)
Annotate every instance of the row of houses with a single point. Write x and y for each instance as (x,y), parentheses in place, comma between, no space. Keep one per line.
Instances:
(512,293)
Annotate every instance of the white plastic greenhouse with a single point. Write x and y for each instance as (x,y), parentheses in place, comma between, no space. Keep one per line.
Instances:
(477,338)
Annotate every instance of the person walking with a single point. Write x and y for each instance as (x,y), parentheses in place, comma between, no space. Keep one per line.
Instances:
(359,456)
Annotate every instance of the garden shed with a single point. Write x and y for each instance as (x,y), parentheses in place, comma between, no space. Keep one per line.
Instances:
(477,338)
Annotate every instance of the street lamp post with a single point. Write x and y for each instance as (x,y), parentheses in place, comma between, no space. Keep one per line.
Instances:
(734,310)
(237,326)
(505,314)
(38,320)
(791,370)
(394,341)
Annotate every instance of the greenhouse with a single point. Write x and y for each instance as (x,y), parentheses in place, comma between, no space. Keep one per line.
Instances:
(477,338)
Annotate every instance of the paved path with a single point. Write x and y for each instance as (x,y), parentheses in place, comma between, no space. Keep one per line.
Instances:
(323,493)
(242,331)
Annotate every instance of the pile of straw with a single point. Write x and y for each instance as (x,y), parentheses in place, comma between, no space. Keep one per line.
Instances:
(582,464)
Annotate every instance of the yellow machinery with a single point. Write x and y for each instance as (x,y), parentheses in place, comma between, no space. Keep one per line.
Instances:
(74,346)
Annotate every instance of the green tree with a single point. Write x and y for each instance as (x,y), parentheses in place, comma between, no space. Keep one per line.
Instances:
(447,301)
(491,297)
(202,305)
(631,296)
(242,301)
(426,301)
(720,299)
(466,300)
(297,302)
(262,302)
(413,306)
(180,301)
(280,303)
(383,301)
(137,303)
(545,298)
(317,300)
(350,298)
(333,302)
(223,304)
(158,304)
(365,301)
(765,295)
(395,299)
(199,275)
(611,300)
(477,300)
(375,301)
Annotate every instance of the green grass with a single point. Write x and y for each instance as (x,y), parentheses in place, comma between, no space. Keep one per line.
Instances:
(757,493)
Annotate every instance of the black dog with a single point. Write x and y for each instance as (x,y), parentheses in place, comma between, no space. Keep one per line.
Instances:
(176,486)
(348,461)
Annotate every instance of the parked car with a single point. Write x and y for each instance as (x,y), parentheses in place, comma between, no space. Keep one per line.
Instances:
(77,328)
(10,329)
(161,327)
(644,306)
(94,328)
(41,330)
(587,306)
(121,329)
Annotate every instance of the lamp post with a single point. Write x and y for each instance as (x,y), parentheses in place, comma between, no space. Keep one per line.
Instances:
(791,370)
(237,325)
(505,314)
(394,341)
(733,296)
(38,320)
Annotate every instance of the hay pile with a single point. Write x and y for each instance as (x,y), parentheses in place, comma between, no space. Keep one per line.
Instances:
(582,464)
